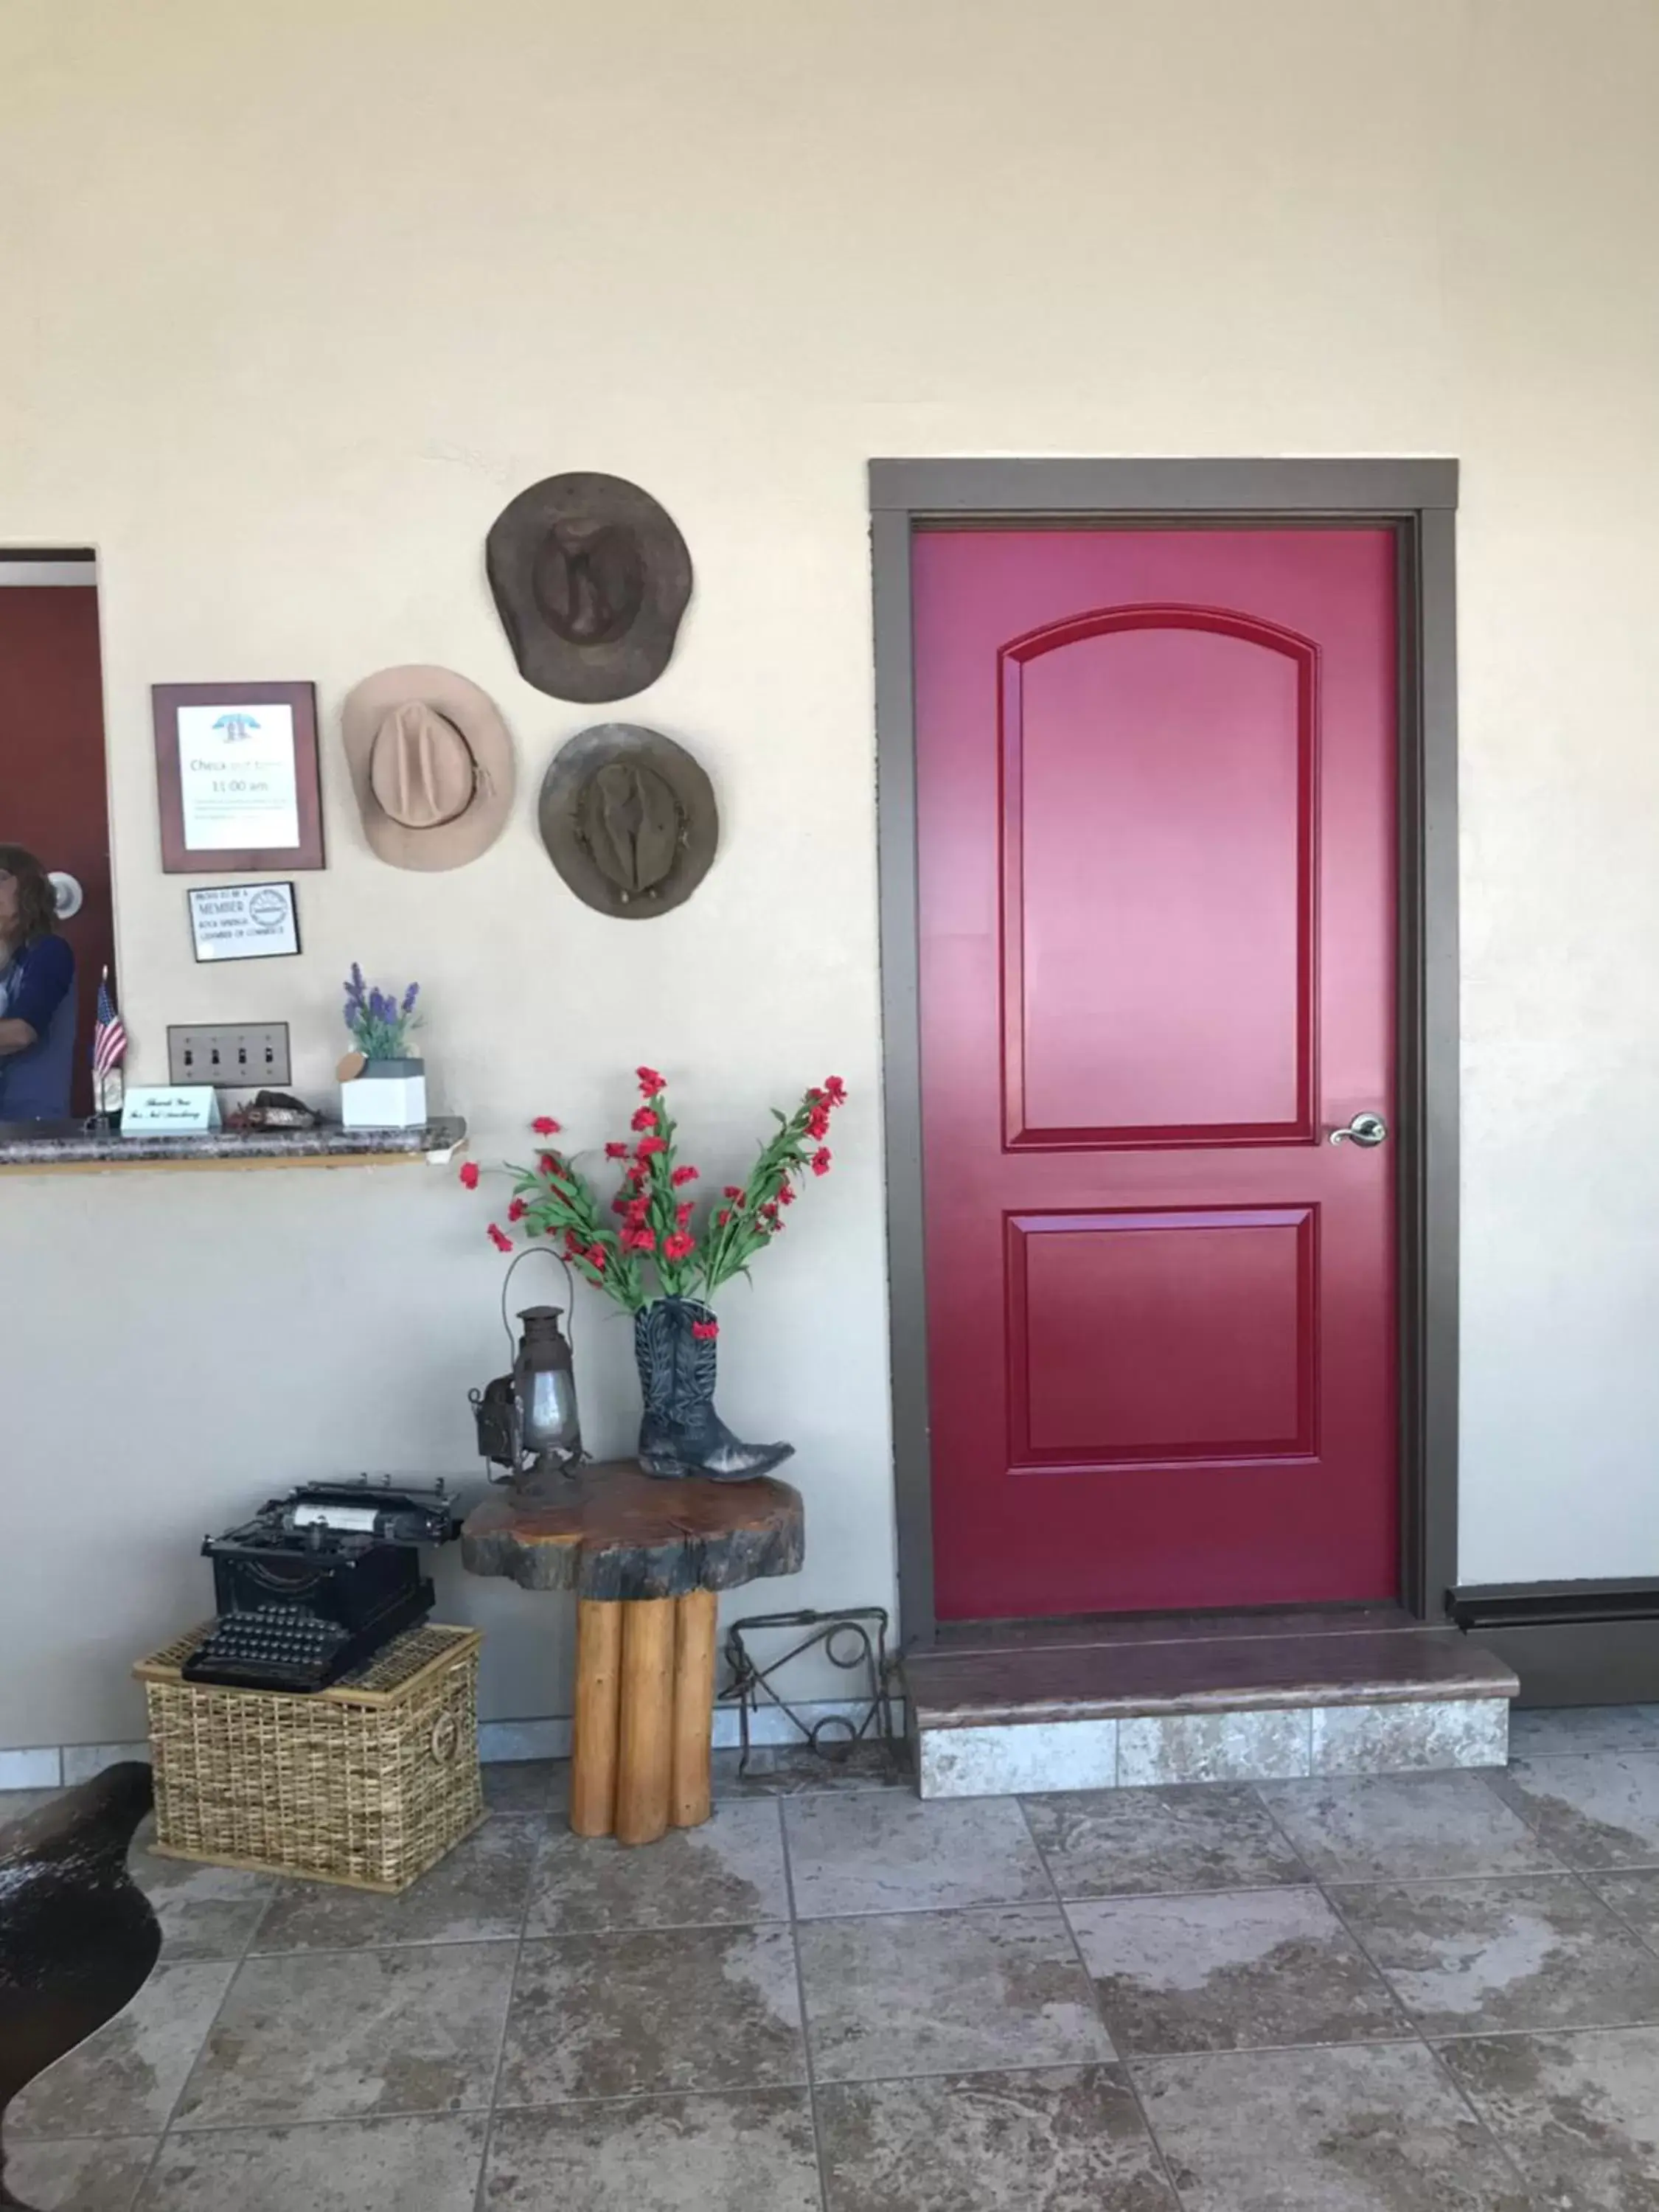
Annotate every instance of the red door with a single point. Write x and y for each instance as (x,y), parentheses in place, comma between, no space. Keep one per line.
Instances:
(1156,796)
(53,796)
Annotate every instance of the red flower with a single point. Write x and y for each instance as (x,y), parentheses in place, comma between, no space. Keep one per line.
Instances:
(640,1240)
(619,1204)
(817,1121)
(615,1151)
(821,1161)
(650,1082)
(644,1119)
(545,1126)
(785,1193)
(706,1329)
(731,1190)
(637,1172)
(681,1177)
(649,1146)
(517,1211)
(722,1217)
(469,1175)
(596,1258)
(683,1214)
(550,1165)
(834,1090)
(635,1211)
(679,1246)
(500,1238)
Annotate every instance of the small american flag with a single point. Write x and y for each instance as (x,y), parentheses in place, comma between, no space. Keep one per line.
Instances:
(109,1035)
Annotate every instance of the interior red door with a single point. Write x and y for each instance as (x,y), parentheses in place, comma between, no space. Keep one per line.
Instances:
(1156,802)
(53,796)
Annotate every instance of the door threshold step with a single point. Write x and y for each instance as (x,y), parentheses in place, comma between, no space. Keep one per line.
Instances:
(1199,1707)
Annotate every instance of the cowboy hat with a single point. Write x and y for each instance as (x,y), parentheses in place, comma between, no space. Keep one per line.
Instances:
(431,763)
(628,819)
(589,578)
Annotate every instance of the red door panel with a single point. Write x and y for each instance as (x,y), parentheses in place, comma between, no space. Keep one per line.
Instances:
(52,792)
(1156,842)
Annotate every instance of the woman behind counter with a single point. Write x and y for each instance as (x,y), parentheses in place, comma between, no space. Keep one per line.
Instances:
(37,995)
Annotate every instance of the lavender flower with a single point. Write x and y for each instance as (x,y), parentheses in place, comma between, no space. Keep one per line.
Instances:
(377,1020)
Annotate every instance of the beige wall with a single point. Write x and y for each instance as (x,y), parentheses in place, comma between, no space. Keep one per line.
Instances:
(295,296)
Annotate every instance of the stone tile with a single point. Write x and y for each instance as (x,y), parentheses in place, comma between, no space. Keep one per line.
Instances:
(885,1851)
(740,2153)
(344,2166)
(514,1743)
(1126,1842)
(476,1895)
(1376,2130)
(646,2012)
(1069,2140)
(92,2175)
(1231,1970)
(123,2080)
(1005,1760)
(729,1870)
(205,1911)
(994,1762)
(1408,1827)
(519,1786)
(1538,1951)
(1596,1809)
(1579,2114)
(1538,1731)
(785,1770)
(1634,1897)
(30,1770)
(83,1761)
(1426,1732)
(17,1804)
(352,2035)
(1212,1747)
(932,1993)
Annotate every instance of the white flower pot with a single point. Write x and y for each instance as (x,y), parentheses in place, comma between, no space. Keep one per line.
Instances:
(389,1094)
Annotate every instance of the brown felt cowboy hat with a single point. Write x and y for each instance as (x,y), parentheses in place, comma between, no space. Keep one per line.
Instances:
(628,819)
(589,578)
(431,763)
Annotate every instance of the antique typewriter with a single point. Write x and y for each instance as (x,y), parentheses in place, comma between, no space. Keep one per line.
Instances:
(318,1581)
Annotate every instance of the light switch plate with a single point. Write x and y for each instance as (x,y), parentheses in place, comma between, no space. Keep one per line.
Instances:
(232,1055)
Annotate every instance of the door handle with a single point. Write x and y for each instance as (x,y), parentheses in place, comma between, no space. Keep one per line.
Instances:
(1366,1129)
(67,894)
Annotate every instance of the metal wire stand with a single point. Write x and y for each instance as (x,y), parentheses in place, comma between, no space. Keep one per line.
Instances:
(852,1640)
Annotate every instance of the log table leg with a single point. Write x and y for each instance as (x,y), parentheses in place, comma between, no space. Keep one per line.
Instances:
(694,1706)
(645,1741)
(599,1685)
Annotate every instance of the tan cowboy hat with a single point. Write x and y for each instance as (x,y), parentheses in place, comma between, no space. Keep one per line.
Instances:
(431,763)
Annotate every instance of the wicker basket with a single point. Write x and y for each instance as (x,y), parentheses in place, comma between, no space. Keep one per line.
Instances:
(368,1783)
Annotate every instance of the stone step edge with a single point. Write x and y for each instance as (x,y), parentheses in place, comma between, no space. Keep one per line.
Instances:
(1050,1714)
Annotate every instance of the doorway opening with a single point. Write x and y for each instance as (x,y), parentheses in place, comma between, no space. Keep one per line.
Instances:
(54,793)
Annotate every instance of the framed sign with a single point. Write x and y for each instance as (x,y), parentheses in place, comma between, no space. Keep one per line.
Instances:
(244,921)
(236,771)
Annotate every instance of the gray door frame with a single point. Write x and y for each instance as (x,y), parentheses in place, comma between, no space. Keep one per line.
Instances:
(1418,499)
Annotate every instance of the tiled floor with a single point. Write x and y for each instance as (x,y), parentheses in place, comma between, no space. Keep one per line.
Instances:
(1365,1995)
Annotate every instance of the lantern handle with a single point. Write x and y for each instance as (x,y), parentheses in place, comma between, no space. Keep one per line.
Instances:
(531,1252)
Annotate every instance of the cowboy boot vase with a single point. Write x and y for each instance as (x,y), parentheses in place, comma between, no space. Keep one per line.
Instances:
(681,1434)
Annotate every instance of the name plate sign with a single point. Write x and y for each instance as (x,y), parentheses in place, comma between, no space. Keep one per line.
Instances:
(177,1110)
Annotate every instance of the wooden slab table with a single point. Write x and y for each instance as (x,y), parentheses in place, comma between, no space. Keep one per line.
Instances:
(646,1560)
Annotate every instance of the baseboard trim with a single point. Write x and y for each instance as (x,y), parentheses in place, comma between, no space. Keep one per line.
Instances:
(1591,1643)
(52,1766)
